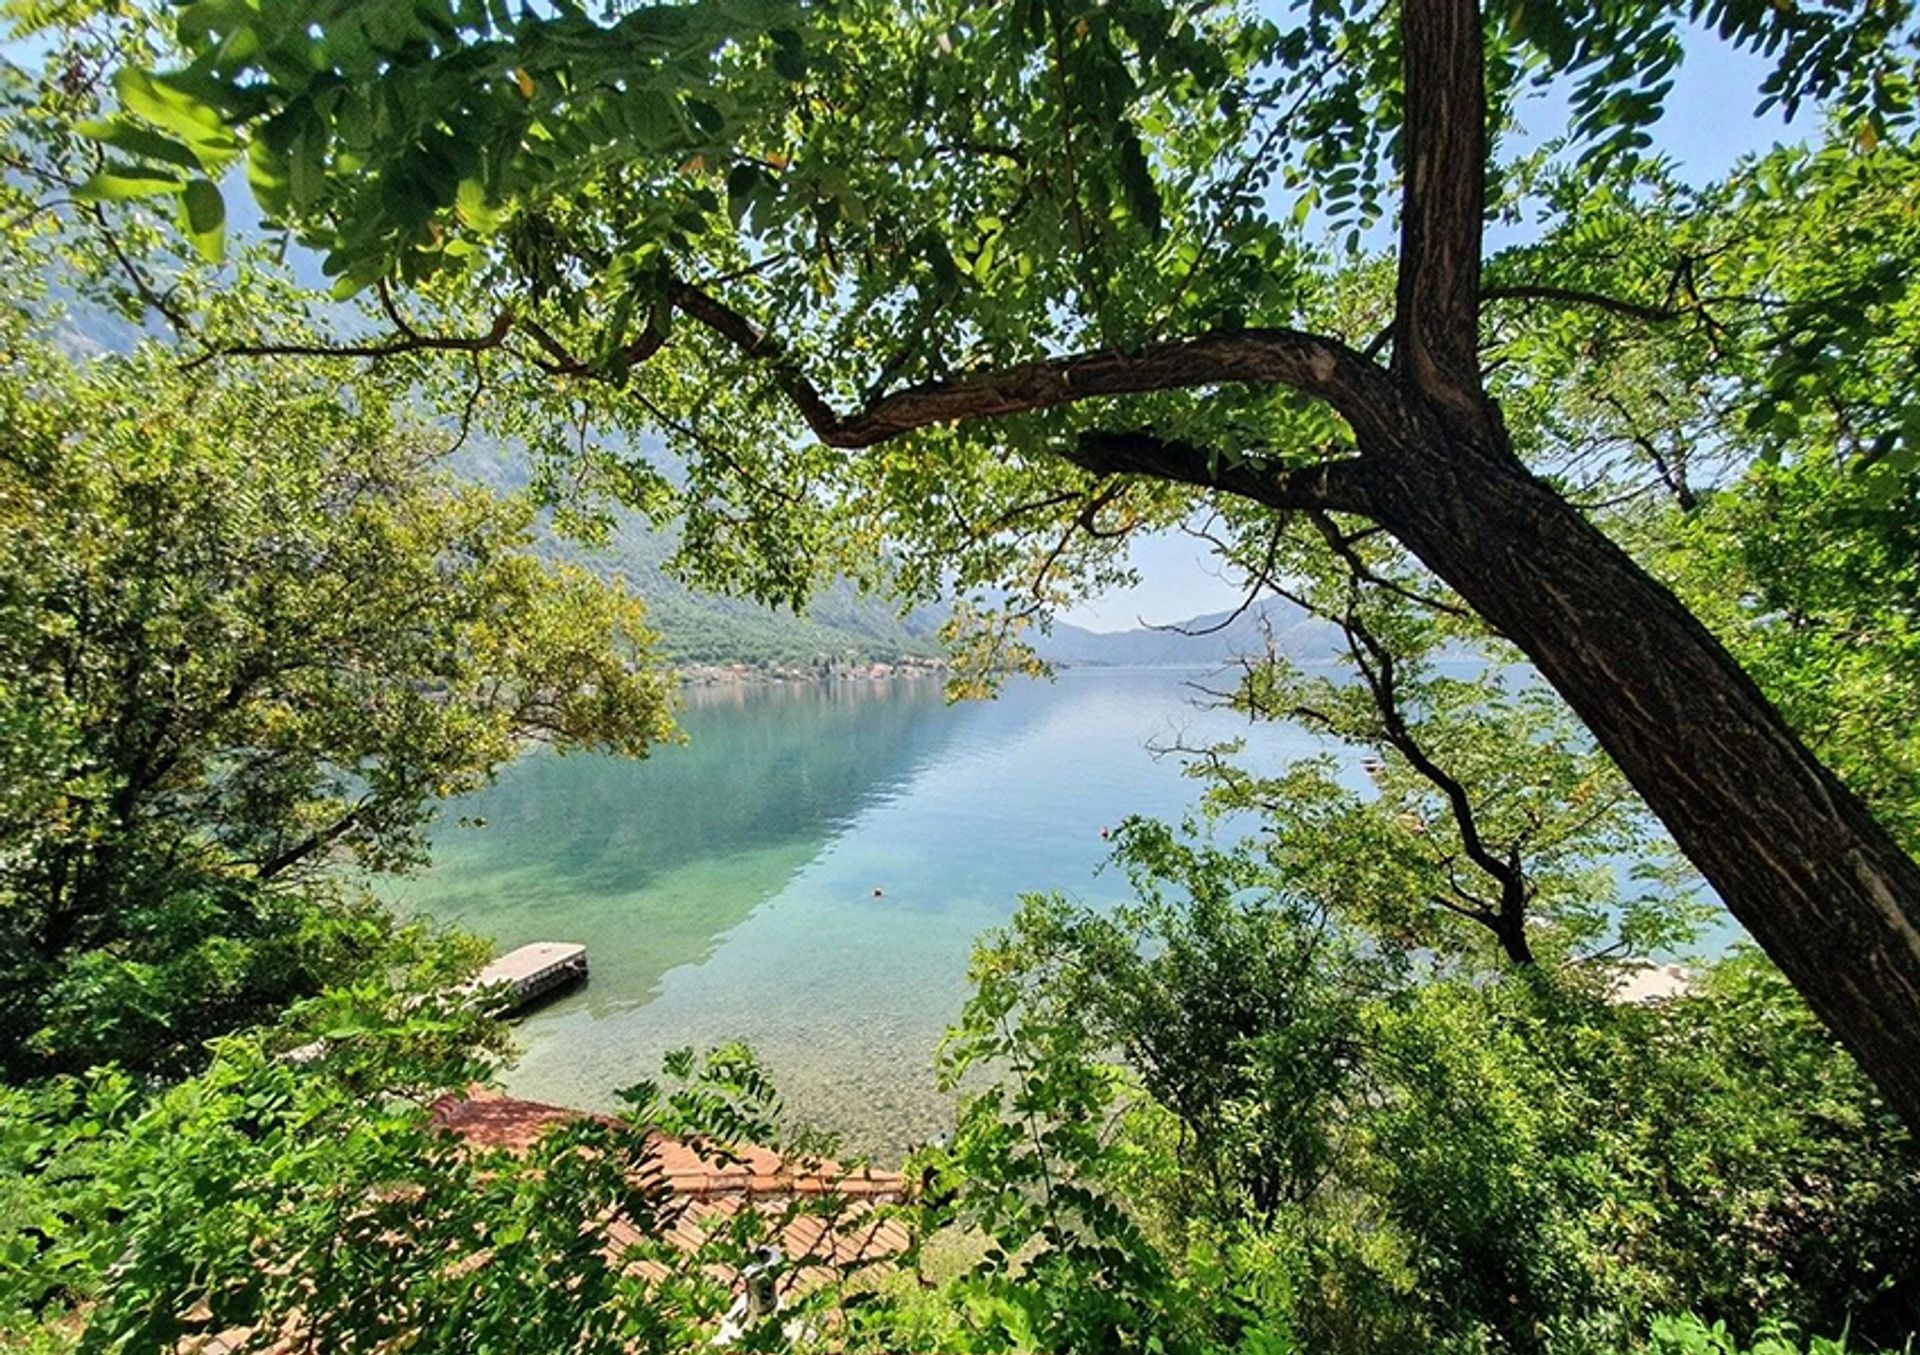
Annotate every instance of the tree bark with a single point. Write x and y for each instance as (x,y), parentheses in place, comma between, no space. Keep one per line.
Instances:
(1436,310)
(1795,856)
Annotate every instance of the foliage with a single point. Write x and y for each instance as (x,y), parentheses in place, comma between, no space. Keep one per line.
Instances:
(1813,574)
(1399,1161)
(1691,1336)
(830,258)
(1065,1265)
(1335,1153)
(1294,1097)
(315,1199)
(1486,817)
(248,633)
(839,625)
(1756,450)
(208,956)
(971,294)
(869,198)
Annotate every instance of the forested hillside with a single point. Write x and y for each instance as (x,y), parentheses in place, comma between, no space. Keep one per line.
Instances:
(843,626)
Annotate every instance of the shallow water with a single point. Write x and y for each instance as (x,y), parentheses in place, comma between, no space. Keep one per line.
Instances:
(809,873)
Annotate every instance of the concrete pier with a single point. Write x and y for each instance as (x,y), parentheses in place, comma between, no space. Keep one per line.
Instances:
(522,975)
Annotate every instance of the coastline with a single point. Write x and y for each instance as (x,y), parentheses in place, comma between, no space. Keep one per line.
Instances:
(747,674)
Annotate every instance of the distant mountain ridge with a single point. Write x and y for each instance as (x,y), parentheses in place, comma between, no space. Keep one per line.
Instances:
(840,626)
(843,626)
(1200,640)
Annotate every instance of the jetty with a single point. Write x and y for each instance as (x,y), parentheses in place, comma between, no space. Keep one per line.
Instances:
(532,971)
(512,981)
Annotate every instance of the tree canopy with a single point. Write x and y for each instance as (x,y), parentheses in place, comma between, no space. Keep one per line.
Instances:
(250,634)
(955,300)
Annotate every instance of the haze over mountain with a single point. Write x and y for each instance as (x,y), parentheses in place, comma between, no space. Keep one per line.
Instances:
(841,625)
(1211,638)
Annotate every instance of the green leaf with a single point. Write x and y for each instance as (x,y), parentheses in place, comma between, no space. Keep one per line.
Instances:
(197,124)
(742,179)
(307,166)
(268,175)
(205,214)
(140,141)
(470,201)
(652,118)
(612,358)
(118,183)
(356,275)
(789,55)
(1136,177)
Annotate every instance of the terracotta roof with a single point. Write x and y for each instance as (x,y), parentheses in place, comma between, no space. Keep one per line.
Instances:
(713,1185)
(692,1169)
(488,1120)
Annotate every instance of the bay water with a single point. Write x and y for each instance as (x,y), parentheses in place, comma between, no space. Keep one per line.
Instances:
(810,870)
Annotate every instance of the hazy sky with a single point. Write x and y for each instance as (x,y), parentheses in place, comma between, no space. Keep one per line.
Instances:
(1709,125)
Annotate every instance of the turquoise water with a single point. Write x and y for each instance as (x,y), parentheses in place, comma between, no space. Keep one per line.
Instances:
(809,872)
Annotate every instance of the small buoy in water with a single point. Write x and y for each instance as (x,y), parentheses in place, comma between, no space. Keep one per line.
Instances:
(878,892)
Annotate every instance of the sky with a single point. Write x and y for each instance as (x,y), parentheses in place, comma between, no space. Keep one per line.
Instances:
(1709,125)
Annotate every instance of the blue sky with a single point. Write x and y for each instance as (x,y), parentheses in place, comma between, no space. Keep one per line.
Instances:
(1709,125)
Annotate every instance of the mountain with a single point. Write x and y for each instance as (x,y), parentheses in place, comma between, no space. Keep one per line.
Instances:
(1196,642)
(841,625)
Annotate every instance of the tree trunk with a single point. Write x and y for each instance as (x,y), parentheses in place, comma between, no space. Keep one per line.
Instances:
(1795,856)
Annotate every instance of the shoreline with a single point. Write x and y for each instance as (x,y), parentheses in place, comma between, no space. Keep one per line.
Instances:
(742,674)
(747,674)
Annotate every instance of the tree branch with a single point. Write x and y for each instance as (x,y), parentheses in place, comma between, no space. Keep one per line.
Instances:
(143,286)
(1573,296)
(1343,546)
(1343,485)
(1309,363)
(1674,479)
(1376,666)
(405,342)
(1312,364)
(1437,297)
(1259,576)
(288,857)
(1482,916)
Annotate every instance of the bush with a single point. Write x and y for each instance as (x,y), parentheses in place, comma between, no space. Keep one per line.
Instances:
(1227,1093)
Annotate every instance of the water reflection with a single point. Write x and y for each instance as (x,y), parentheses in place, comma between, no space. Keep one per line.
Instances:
(810,874)
(652,861)
(811,871)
